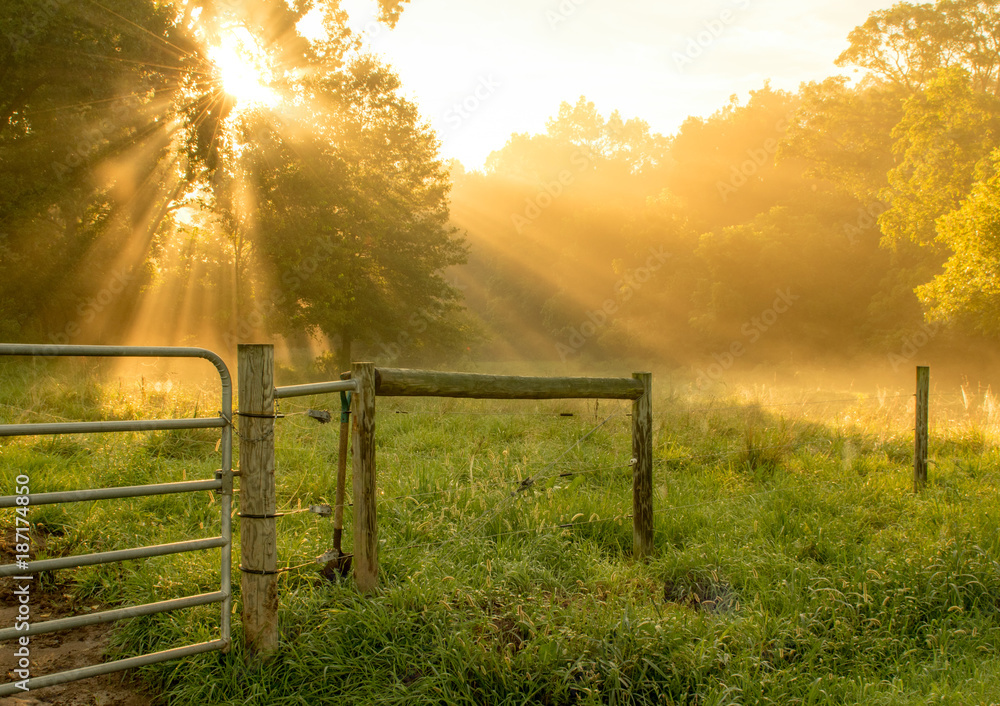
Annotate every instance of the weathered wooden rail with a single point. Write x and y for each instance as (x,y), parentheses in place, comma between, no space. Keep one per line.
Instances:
(257,487)
(392,382)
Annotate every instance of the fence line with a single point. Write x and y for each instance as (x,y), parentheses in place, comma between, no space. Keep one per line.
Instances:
(449,413)
(514,486)
(25,569)
(258,510)
(366,382)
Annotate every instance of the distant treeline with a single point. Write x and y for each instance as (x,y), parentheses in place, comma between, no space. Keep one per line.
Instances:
(139,202)
(845,218)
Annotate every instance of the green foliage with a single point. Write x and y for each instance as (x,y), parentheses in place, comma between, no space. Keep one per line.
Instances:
(724,167)
(844,134)
(129,191)
(679,255)
(353,218)
(967,291)
(940,64)
(63,142)
(946,133)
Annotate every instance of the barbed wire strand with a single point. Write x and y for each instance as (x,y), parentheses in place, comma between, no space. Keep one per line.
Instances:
(618,518)
(531,480)
(750,404)
(505,484)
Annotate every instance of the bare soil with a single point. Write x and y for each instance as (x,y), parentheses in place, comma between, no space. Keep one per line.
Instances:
(60,651)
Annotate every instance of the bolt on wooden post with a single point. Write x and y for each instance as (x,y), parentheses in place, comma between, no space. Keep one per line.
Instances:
(922,429)
(258,533)
(642,468)
(364,480)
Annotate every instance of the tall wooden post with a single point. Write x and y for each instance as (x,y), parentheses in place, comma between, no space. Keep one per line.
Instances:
(642,469)
(363,439)
(922,433)
(345,440)
(258,533)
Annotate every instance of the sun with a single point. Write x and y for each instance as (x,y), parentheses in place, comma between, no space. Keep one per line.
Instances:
(242,69)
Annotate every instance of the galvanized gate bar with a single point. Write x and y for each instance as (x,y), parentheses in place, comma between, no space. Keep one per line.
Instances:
(72,562)
(109,667)
(47,351)
(128,491)
(126,425)
(222,483)
(108,616)
(316,388)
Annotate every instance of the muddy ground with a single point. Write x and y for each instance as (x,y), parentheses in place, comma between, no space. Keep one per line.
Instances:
(49,599)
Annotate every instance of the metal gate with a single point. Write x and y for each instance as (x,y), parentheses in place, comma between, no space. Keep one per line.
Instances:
(23,571)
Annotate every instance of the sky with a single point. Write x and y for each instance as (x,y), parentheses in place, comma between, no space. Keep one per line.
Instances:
(481,70)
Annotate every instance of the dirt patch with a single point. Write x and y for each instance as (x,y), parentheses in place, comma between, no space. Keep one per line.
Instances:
(59,651)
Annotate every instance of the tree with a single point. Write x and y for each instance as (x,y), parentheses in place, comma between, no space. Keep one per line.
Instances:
(946,132)
(549,226)
(938,67)
(628,142)
(83,182)
(334,201)
(967,291)
(724,168)
(352,217)
(844,135)
(907,45)
(343,156)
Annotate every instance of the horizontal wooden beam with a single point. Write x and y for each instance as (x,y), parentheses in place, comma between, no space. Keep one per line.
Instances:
(394,382)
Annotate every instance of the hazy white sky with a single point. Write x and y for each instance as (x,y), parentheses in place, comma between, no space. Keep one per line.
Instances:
(481,69)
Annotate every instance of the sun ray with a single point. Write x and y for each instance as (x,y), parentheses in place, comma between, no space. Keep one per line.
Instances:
(242,68)
(180,52)
(134,62)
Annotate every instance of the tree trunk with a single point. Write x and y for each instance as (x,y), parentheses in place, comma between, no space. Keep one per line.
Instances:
(343,357)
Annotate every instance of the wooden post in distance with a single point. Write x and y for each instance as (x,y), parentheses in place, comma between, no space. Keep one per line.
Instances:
(922,433)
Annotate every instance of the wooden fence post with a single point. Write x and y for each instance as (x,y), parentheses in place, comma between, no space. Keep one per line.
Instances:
(258,533)
(363,470)
(642,469)
(922,433)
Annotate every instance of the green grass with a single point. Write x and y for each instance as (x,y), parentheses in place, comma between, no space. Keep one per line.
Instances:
(794,564)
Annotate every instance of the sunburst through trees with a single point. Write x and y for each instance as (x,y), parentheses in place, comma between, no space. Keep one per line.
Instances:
(202,171)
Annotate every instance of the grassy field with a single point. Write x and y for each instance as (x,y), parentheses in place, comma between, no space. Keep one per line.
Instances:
(794,563)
